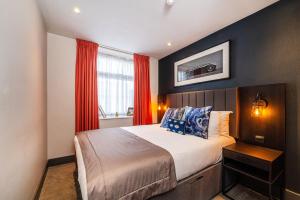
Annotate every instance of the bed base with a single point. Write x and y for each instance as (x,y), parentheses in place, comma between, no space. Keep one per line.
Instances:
(203,185)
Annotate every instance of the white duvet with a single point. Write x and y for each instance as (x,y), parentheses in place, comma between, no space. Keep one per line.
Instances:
(190,153)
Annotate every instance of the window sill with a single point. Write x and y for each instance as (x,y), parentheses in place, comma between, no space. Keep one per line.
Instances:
(114,117)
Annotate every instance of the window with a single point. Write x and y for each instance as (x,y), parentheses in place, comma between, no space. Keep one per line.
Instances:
(115,82)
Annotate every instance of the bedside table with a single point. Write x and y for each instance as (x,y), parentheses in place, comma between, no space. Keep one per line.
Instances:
(259,168)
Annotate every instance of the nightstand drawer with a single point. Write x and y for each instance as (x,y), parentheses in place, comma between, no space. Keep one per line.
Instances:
(254,162)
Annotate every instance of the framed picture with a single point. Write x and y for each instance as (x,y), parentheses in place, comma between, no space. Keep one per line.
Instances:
(211,64)
(130,111)
(102,113)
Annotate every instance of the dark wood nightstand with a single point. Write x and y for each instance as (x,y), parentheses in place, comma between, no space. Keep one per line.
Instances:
(259,168)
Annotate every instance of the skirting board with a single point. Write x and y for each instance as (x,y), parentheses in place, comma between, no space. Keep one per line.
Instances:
(291,195)
(38,192)
(61,160)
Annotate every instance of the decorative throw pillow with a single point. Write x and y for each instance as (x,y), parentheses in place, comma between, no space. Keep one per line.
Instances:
(219,123)
(167,115)
(197,121)
(178,113)
(176,126)
(187,109)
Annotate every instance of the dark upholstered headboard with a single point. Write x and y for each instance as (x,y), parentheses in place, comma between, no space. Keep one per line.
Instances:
(220,99)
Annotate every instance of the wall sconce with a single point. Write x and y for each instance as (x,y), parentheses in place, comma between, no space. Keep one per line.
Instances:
(162,103)
(159,108)
(162,107)
(258,105)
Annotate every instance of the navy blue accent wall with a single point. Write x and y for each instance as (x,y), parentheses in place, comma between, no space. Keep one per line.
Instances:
(265,48)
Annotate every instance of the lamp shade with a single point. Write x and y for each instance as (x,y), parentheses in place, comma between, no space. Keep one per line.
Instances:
(258,105)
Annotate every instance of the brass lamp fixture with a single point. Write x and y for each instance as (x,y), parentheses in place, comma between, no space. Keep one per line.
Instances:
(258,105)
(165,107)
(162,107)
(159,107)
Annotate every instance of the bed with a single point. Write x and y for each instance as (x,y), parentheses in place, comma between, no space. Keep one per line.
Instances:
(196,161)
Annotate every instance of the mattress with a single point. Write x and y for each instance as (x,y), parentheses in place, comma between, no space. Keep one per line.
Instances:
(190,153)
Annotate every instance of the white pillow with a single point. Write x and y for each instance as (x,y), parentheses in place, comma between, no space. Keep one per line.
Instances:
(219,123)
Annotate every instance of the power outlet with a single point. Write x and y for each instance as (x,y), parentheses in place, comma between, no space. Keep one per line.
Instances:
(260,138)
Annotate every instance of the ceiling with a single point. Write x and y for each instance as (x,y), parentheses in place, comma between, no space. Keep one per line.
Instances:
(145,26)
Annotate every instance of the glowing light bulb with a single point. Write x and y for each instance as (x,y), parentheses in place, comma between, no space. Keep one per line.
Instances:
(76,10)
(257,113)
(258,106)
(170,2)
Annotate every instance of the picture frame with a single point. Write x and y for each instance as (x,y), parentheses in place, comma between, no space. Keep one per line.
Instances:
(101,111)
(130,111)
(209,65)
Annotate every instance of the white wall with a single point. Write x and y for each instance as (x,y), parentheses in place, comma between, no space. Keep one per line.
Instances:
(23,138)
(154,86)
(61,95)
(61,61)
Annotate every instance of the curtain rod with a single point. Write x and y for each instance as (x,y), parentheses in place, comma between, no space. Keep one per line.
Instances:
(115,49)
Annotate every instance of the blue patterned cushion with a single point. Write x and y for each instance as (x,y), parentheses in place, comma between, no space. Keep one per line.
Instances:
(197,121)
(178,113)
(176,126)
(187,109)
(167,115)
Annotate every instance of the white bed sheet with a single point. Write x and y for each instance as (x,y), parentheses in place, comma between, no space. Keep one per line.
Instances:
(81,170)
(190,153)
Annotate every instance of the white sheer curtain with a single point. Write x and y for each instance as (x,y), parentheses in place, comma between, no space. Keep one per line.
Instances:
(115,83)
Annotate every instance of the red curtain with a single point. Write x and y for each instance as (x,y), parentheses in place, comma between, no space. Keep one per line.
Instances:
(86,92)
(142,97)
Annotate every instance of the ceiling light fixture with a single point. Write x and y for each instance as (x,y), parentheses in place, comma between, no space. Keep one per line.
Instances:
(76,10)
(169,44)
(170,2)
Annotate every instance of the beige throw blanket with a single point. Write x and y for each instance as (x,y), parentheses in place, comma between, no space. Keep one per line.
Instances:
(121,165)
